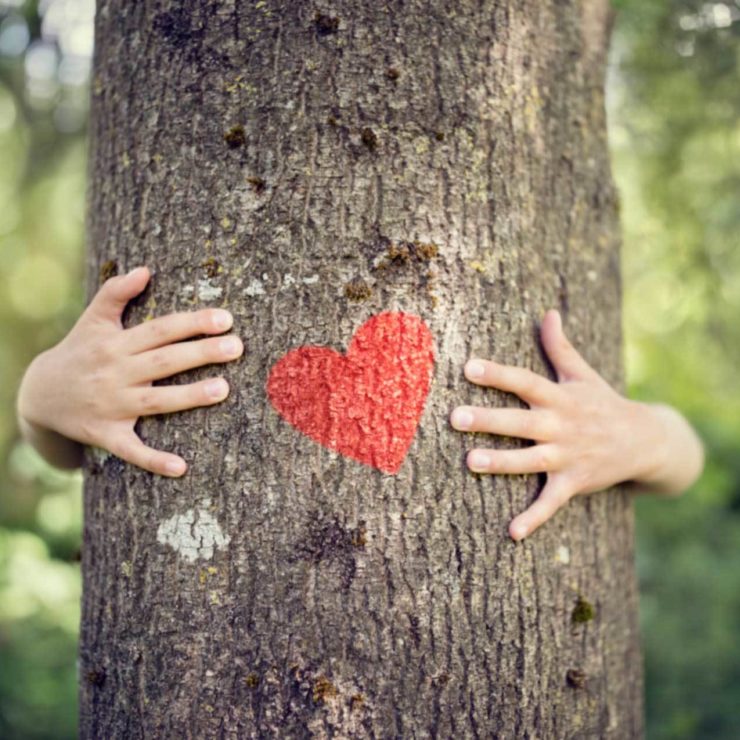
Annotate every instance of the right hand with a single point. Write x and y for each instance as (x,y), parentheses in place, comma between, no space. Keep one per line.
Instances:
(93,385)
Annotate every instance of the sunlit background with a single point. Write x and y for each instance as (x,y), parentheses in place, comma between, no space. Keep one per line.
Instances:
(674,108)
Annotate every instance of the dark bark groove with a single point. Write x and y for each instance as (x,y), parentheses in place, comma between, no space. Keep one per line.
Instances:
(298,163)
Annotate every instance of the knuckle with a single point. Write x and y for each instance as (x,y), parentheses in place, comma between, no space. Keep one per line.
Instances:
(149,402)
(497,462)
(161,360)
(102,352)
(526,379)
(545,458)
(549,426)
(529,425)
(101,382)
(158,329)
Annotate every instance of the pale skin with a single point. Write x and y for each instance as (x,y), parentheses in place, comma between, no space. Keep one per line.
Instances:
(587,436)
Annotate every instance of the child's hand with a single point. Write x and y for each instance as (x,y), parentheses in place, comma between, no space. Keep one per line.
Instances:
(95,384)
(588,436)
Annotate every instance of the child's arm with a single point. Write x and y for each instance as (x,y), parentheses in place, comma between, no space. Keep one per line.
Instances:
(92,387)
(588,436)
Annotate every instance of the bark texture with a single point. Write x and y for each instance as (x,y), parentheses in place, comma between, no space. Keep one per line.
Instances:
(307,166)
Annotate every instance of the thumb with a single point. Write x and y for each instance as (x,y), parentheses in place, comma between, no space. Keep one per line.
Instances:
(567,361)
(109,302)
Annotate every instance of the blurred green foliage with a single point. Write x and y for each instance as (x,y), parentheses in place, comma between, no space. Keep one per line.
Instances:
(675,136)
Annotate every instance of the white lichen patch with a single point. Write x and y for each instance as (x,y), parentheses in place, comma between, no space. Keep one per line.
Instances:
(310,280)
(187,291)
(193,534)
(99,455)
(288,280)
(255,288)
(207,291)
(562,555)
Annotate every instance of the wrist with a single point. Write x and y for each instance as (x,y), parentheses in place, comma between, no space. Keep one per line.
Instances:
(52,445)
(651,448)
(670,455)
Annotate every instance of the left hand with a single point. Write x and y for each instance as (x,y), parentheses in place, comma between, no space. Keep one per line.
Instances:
(588,436)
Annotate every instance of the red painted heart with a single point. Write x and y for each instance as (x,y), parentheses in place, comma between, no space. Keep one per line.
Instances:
(366,404)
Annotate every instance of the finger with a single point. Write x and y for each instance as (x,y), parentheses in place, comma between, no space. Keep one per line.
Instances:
(536,459)
(567,361)
(526,384)
(129,447)
(165,362)
(166,399)
(174,327)
(110,300)
(555,493)
(525,423)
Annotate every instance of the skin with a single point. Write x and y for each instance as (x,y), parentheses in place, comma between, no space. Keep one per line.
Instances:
(106,372)
(587,436)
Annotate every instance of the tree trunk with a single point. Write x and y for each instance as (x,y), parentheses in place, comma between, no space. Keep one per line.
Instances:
(311,166)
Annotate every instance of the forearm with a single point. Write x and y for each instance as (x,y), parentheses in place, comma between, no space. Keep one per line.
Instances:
(55,448)
(670,454)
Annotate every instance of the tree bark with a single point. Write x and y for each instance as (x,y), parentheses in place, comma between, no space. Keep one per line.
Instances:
(309,166)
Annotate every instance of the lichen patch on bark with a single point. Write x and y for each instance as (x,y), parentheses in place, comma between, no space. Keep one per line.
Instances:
(193,534)
(207,291)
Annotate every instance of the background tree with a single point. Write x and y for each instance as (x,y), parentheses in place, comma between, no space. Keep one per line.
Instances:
(308,167)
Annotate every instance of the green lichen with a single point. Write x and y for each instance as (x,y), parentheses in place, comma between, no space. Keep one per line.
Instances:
(236,137)
(212,267)
(357,290)
(258,184)
(108,269)
(575,678)
(356,701)
(406,252)
(359,535)
(583,611)
(325,25)
(369,138)
(324,690)
(96,677)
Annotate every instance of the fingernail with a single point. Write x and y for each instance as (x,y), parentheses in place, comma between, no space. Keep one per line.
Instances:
(175,467)
(518,531)
(230,345)
(217,388)
(223,319)
(136,270)
(462,418)
(474,369)
(478,460)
